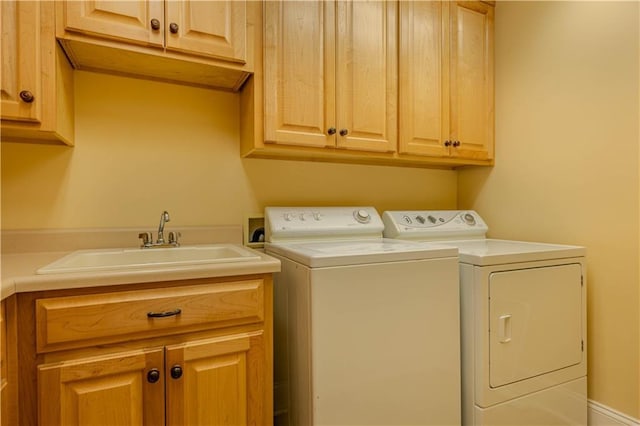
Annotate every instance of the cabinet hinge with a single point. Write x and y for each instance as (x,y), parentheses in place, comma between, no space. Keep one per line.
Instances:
(581,280)
(582,345)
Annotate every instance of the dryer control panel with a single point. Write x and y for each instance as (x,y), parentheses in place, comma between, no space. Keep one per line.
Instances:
(430,225)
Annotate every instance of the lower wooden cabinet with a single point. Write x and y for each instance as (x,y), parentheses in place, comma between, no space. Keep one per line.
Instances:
(204,359)
(8,370)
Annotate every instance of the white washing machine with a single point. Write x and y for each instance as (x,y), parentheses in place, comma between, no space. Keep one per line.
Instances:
(366,329)
(523,318)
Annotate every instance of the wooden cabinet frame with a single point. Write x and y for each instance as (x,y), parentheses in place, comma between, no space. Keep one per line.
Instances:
(310,142)
(207,44)
(32,63)
(208,353)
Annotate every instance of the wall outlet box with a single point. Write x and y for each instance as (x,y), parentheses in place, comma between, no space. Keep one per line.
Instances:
(254,231)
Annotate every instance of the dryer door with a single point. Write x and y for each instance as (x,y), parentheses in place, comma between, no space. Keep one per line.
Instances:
(535,322)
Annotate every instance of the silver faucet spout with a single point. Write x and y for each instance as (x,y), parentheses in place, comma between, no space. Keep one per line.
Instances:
(164,217)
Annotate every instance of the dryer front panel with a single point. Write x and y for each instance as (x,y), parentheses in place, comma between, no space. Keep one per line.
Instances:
(535,322)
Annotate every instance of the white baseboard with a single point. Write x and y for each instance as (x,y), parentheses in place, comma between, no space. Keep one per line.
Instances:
(601,415)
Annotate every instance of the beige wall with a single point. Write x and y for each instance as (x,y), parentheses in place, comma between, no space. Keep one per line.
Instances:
(142,147)
(567,163)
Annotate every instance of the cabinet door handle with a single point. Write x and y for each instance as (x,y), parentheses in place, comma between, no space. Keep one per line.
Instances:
(155,24)
(176,372)
(456,143)
(447,143)
(153,375)
(344,132)
(164,314)
(331,130)
(27,96)
(173,27)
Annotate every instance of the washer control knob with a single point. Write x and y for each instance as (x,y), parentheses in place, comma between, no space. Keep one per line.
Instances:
(420,219)
(431,219)
(287,217)
(362,216)
(317,216)
(469,219)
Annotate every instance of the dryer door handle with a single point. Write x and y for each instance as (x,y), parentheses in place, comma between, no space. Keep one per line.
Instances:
(504,328)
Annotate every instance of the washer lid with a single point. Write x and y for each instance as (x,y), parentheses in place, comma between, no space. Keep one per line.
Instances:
(357,252)
(484,252)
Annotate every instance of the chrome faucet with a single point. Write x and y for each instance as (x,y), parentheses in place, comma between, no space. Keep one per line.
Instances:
(147,237)
(164,217)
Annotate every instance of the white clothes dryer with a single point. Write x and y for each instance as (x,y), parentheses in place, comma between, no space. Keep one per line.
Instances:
(366,329)
(523,321)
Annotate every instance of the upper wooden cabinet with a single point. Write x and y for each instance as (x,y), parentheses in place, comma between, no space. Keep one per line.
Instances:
(472,88)
(330,74)
(37,80)
(198,42)
(446,79)
(378,82)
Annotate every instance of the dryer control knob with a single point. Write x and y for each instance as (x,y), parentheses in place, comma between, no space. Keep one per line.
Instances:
(362,216)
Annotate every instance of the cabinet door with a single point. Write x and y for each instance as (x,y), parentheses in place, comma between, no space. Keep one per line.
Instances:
(20,60)
(299,74)
(424,78)
(366,76)
(472,99)
(211,28)
(103,390)
(213,386)
(124,20)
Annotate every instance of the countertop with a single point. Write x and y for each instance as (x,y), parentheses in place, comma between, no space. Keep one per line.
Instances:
(19,270)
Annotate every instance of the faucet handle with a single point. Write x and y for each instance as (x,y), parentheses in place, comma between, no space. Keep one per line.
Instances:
(146,238)
(173,238)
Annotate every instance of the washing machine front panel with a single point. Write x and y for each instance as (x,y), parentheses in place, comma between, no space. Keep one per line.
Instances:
(535,322)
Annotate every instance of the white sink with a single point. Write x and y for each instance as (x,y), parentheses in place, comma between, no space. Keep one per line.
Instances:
(114,259)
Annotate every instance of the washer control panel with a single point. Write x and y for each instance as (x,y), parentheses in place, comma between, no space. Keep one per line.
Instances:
(433,224)
(306,223)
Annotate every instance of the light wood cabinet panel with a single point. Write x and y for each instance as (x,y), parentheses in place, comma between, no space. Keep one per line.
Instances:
(213,387)
(36,80)
(77,321)
(424,78)
(366,78)
(120,20)
(446,84)
(472,88)
(104,390)
(330,74)
(203,43)
(20,60)
(8,363)
(299,76)
(213,28)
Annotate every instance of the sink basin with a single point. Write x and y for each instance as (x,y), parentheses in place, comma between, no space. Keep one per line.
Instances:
(114,259)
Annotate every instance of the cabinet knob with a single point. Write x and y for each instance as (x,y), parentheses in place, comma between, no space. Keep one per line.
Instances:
(456,143)
(173,27)
(153,375)
(176,372)
(27,96)
(332,130)
(447,143)
(155,24)
(344,132)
